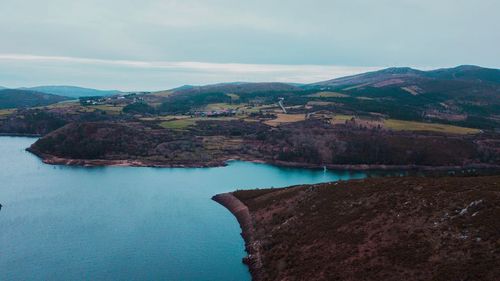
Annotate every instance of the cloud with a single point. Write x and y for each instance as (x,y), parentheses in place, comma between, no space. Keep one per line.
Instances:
(171,74)
(170,42)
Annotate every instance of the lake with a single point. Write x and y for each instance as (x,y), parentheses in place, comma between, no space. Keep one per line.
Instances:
(126,223)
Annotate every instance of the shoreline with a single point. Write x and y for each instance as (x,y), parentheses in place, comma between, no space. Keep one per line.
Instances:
(239,210)
(20,135)
(54,160)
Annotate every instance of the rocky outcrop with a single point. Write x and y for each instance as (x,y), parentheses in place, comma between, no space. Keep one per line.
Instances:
(252,246)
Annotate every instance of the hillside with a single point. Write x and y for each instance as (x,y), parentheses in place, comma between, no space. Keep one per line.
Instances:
(373,229)
(13,98)
(72,91)
(404,75)
(211,141)
(236,88)
(466,96)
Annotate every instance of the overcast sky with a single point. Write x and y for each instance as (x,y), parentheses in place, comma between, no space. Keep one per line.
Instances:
(159,44)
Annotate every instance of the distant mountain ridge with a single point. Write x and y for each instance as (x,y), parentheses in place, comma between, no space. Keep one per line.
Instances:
(409,75)
(17,98)
(72,91)
(381,78)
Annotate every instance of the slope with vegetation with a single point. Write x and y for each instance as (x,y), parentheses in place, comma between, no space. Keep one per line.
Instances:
(72,91)
(11,98)
(374,229)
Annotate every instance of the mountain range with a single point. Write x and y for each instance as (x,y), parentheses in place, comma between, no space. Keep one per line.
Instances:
(463,92)
(16,98)
(72,91)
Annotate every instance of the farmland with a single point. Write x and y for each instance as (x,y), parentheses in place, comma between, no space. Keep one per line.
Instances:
(394,124)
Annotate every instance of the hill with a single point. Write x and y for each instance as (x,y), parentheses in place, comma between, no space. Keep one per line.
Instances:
(72,91)
(373,229)
(464,95)
(236,88)
(467,72)
(407,75)
(15,98)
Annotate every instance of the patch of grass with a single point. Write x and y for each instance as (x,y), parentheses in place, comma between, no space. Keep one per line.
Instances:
(340,118)
(328,95)
(285,118)
(108,108)
(4,112)
(164,118)
(254,109)
(221,106)
(178,124)
(60,105)
(233,96)
(320,103)
(162,93)
(181,124)
(401,125)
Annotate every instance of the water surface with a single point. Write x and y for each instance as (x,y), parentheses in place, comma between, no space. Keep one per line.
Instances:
(125,223)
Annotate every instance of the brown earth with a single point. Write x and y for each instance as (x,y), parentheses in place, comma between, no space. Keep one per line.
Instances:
(375,229)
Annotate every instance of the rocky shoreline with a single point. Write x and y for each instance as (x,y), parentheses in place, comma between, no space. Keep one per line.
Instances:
(409,228)
(55,160)
(252,246)
(20,135)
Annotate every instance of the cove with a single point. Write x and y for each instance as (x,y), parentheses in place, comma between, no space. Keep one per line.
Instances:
(126,223)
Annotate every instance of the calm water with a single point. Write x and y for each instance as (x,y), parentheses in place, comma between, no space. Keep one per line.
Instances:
(123,223)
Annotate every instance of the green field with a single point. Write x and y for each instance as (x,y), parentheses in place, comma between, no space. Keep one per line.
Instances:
(108,108)
(328,95)
(340,119)
(401,125)
(5,112)
(221,106)
(233,97)
(178,124)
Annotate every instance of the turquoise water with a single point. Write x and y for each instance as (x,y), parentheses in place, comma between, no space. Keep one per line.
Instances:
(124,223)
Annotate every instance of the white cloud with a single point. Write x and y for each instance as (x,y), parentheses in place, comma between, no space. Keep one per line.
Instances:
(171,74)
(180,41)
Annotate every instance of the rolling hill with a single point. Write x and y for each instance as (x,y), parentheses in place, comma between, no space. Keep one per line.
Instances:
(464,94)
(15,98)
(72,91)
(236,88)
(405,76)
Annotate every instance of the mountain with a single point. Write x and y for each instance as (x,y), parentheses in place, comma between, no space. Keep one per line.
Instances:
(396,73)
(16,98)
(405,75)
(72,91)
(467,95)
(467,72)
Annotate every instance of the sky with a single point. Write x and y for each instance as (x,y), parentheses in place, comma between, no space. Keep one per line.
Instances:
(160,44)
